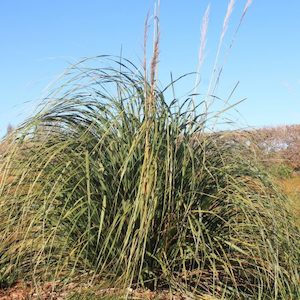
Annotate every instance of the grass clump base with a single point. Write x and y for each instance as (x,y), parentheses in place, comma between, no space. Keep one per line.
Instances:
(113,180)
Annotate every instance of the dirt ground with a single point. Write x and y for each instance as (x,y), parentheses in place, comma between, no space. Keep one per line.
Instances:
(73,291)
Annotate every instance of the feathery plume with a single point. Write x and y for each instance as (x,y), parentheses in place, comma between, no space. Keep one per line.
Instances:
(246,7)
(249,2)
(204,27)
(203,39)
(224,30)
(156,36)
(226,19)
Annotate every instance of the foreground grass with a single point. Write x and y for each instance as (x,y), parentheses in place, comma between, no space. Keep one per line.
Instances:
(111,181)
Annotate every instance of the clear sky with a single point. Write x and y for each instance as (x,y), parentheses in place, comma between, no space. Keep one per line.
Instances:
(40,38)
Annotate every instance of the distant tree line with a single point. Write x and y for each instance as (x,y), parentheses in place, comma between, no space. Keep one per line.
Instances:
(279,145)
(273,146)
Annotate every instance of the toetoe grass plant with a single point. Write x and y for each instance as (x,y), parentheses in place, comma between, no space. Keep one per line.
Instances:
(110,180)
(116,182)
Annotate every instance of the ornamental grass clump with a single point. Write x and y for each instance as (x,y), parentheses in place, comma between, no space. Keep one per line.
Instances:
(113,181)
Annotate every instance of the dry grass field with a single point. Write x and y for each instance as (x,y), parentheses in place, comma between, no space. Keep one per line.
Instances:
(291,187)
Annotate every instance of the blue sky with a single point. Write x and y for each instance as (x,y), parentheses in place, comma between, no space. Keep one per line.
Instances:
(39,39)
